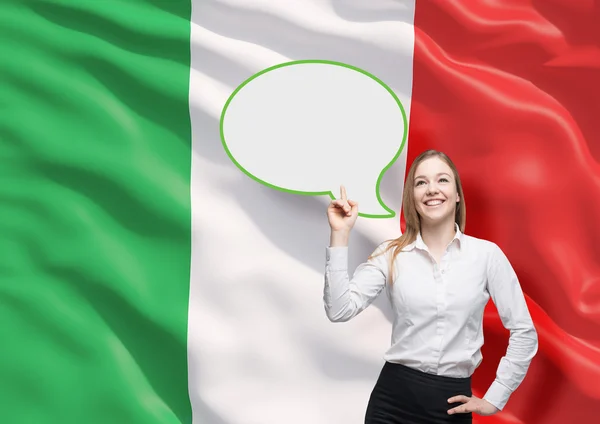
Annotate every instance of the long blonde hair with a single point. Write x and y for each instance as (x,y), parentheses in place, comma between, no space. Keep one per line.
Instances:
(411,217)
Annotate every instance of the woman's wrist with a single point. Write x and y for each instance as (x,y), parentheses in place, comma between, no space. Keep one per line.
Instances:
(339,238)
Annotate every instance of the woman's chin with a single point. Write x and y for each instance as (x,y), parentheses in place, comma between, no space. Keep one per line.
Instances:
(436,218)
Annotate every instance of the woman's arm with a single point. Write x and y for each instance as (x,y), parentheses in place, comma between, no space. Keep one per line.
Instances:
(507,295)
(343,297)
(346,297)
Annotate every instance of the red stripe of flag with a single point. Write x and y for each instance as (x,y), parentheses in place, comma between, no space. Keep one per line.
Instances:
(511,91)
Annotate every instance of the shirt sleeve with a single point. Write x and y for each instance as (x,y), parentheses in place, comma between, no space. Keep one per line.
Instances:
(346,297)
(507,295)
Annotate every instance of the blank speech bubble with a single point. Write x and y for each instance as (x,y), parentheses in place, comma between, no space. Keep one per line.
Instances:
(307,127)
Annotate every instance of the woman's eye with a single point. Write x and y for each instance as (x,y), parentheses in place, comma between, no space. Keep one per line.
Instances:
(419,183)
(444,179)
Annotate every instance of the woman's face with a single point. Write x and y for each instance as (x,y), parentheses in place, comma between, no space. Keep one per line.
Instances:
(435,192)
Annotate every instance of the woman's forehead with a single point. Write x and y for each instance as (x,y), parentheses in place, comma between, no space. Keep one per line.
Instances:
(432,166)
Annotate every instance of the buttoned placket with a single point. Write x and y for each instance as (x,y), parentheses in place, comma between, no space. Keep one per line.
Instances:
(439,275)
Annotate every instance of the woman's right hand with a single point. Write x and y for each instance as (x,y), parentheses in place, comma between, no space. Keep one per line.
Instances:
(342,213)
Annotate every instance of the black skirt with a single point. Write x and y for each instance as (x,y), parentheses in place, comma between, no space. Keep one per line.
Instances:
(403,395)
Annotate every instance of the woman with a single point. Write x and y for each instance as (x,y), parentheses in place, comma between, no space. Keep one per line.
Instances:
(438,281)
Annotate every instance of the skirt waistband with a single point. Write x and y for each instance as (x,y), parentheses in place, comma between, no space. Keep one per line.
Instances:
(409,396)
(424,377)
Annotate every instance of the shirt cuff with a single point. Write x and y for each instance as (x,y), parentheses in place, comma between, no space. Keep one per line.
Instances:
(337,258)
(497,395)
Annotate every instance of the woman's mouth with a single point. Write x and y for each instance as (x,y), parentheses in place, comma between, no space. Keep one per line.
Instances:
(434,203)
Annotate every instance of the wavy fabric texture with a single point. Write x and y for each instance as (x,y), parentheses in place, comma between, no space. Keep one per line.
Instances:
(261,349)
(510,91)
(107,104)
(95,212)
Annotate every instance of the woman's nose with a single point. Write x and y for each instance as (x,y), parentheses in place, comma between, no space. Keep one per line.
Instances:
(432,188)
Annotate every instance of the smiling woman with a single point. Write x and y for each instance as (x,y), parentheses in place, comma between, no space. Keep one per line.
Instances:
(432,176)
(426,187)
(440,281)
(436,196)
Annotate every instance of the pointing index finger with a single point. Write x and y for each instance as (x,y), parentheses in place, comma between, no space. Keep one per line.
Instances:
(343,193)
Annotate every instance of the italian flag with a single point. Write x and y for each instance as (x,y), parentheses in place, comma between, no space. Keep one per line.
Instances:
(144,279)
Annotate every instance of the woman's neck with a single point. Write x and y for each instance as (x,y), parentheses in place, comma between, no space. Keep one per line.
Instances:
(437,237)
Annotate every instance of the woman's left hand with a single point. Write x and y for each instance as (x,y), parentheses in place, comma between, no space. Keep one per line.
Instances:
(472,404)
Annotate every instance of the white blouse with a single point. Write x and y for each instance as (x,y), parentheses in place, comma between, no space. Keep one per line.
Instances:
(438,308)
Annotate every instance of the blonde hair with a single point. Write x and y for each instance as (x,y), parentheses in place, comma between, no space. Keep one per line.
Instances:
(411,217)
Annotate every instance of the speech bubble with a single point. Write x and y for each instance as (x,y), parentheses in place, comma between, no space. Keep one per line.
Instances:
(309,126)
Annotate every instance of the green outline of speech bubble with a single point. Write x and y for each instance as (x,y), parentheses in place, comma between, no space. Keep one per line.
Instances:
(318,193)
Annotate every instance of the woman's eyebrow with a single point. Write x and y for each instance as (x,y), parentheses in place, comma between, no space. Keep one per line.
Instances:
(440,173)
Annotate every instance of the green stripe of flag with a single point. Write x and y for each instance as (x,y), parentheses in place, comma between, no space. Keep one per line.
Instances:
(94,211)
